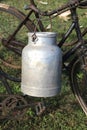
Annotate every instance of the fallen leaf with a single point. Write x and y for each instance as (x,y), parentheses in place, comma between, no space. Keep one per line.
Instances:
(65,15)
(48,27)
(44,3)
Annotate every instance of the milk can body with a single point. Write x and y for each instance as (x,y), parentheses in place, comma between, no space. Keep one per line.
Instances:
(41,66)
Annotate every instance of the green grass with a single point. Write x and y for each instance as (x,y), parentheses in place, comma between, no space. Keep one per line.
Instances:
(63,111)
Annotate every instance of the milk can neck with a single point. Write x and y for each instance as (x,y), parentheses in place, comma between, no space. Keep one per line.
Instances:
(42,38)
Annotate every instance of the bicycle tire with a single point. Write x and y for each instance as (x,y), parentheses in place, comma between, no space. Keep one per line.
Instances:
(78,80)
(10,18)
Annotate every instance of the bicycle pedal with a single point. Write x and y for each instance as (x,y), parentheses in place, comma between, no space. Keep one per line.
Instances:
(40,108)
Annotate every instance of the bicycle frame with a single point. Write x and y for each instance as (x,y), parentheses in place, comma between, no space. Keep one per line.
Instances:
(74,25)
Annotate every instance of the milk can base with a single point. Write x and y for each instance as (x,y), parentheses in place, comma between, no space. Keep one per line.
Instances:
(40,93)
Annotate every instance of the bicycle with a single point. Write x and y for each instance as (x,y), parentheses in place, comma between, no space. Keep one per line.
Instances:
(77,66)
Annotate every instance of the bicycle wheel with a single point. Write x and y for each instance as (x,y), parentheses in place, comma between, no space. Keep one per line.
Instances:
(10,56)
(78,78)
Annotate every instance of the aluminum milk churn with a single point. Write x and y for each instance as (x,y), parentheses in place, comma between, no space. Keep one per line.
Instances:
(41,66)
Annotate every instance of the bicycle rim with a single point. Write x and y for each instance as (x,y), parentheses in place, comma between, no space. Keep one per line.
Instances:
(78,78)
(10,61)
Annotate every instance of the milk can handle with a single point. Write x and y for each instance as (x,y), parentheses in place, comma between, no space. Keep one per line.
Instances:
(34,37)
